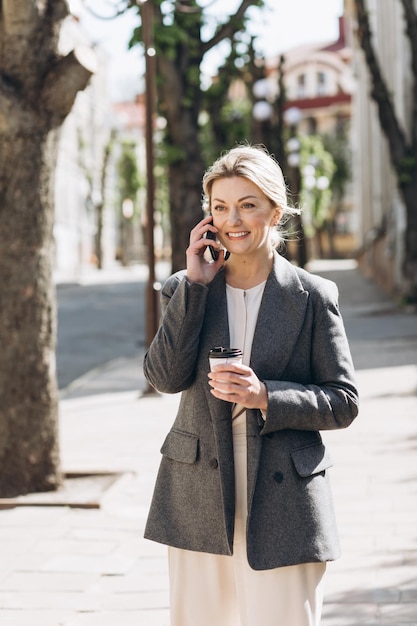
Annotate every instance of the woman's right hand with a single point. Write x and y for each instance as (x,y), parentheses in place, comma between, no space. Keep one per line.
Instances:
(199,270)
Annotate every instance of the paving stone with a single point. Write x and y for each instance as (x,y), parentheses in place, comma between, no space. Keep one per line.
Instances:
(404,612)
(132,618)
(109,565)
(49,582)
(36,601)
(343,614)
(35,618)
(26,562)
(81,547)
(138,600)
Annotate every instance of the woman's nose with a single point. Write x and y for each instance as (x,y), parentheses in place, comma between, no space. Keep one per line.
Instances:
(234,216)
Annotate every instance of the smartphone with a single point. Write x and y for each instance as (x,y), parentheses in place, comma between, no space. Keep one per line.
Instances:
(214,253)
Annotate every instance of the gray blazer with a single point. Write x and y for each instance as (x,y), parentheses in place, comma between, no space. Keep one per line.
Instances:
(301,352)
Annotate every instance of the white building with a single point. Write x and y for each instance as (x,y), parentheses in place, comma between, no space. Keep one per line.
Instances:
(319,84)
(318,81)
(83,139)
(380,208)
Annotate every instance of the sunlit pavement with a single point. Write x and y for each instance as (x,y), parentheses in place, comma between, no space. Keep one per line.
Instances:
(66,566)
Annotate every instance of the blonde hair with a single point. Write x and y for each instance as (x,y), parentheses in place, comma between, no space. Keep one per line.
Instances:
(255,164)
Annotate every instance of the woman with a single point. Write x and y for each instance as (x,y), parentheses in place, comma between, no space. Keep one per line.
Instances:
(242,496)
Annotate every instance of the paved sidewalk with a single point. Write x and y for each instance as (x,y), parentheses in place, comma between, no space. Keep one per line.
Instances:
(65,566)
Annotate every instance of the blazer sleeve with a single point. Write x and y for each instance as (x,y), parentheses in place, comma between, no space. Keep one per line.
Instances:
(169,363)
(330,399)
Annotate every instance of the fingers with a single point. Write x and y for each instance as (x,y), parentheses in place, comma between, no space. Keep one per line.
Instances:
(199,268)
(199,231)
(198,240)
(240,386)
(232,379)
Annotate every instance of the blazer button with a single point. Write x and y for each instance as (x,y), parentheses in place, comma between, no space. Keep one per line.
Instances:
(279,477)
(214,464)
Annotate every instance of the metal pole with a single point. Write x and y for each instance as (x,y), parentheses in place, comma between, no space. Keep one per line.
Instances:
(150,71)
(302,248)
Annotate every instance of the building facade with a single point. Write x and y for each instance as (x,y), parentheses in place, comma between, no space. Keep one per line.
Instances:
(319,84)
(79,170)
(318,81)
(381,213)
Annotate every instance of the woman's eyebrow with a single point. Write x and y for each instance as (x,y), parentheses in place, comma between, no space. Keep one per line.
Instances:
(247,198)
(239,200)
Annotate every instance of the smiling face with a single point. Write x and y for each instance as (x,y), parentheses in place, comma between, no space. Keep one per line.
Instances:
(243,215)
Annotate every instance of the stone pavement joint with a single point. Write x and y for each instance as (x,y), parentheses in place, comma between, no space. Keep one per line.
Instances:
(81,490)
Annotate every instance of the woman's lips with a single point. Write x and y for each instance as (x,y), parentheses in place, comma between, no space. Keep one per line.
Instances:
(238,235)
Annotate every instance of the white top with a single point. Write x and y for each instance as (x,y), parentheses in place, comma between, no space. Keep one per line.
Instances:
(242,309)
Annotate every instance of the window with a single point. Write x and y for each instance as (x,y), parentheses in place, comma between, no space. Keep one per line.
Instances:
(321,83)
(301,86)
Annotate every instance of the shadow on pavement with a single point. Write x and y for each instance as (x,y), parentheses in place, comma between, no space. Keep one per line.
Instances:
(380,333)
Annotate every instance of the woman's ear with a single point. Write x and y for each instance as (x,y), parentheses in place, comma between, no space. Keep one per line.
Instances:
(276,218)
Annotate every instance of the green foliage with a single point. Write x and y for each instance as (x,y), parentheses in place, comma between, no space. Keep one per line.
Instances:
(175,26)
(229,120)
(184,32)
(339,147)
(317,165)
(173,154)
(128,174)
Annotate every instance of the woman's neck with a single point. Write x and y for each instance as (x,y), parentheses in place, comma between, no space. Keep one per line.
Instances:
(245,273)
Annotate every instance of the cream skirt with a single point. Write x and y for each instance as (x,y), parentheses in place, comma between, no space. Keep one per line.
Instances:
(214,590)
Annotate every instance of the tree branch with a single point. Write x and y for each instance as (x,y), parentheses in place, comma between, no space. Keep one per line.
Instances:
(69,75)
(411,30)
(379,92)
(18,16)
(227,29)
(29,31)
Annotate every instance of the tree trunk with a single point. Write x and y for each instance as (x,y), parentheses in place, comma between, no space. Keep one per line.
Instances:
(185,202)
(180,101)
(185,168)
(409,194)
(37,90)
(100,205)
(28,425)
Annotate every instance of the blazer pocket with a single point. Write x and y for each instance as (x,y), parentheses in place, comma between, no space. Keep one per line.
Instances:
(311,459)
(180,446)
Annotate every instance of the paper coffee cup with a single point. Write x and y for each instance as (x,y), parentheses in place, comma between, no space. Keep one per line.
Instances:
(222,355)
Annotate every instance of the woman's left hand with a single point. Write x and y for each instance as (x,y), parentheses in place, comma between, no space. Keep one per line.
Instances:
(239,384)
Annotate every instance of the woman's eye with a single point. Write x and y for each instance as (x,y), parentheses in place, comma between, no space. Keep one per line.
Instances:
(248,205)
(218,207)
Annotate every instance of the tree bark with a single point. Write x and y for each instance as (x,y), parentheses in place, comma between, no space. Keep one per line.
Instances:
(411,30)
(179,97)
(409,194)
(30,116)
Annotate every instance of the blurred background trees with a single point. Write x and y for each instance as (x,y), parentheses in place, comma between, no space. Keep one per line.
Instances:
(180,47)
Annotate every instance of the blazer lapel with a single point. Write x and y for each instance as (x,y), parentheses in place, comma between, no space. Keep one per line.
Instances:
(280,320)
